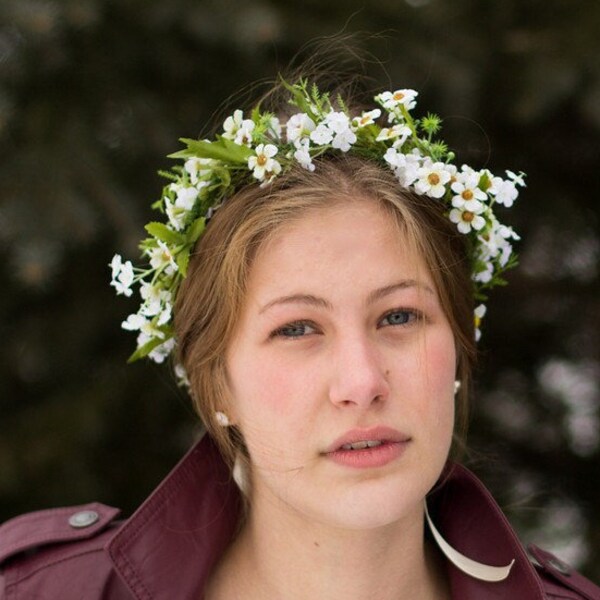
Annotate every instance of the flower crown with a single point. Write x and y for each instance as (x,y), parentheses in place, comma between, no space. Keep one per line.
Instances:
(259,148)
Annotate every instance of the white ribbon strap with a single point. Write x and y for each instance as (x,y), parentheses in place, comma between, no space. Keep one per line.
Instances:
(465,564)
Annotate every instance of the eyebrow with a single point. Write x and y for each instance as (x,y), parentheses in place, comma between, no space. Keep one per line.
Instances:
(378,294)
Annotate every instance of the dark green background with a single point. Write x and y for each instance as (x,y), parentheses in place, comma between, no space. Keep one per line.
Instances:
(94,94)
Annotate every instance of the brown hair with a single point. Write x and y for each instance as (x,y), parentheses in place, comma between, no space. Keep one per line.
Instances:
(212,295)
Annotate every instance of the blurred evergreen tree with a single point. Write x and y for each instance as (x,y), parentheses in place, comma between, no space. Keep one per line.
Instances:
(93,95)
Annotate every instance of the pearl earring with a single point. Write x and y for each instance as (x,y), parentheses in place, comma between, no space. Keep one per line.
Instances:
(457,385)
(222,419)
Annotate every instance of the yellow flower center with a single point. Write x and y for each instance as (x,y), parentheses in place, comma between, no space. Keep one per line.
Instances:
(467,216)
(433,178)
(398,96)
(467,194)
(261,161)
(477,321)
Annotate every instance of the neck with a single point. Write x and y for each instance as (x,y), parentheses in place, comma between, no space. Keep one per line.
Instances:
(279,555)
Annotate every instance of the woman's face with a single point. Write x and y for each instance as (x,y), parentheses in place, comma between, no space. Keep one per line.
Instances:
(342,341)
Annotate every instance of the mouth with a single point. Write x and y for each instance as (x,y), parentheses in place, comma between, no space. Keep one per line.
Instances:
(358,440)
(368,449)
(362,445)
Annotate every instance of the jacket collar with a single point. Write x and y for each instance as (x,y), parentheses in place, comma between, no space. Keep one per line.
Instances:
(175,538)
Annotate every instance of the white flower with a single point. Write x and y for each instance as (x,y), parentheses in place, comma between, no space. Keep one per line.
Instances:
(335,130)
(466,188)
(394,158)
(162,257)
(134,322)
(486,274)
(468,216)
(495,242)
(232,124)
(302,155)
(275,127)
(322,135)
(122,275)
(263,166)
(479,314)
(366,118)
(161,352)
(115,264)
(505,192)
(344,139)
(155,298)
(177,216)
(182,376)
(165,314)
(238,129)
(196,168)
(518,179)
(299,126)
(390,100)
(338,122)
(432,178)
(186,197)
(405,166)
(397,132)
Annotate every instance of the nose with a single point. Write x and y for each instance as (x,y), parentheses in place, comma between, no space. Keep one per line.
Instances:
(359,377)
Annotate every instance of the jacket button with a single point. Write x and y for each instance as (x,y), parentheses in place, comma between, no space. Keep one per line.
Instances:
(83,518)
(560,566)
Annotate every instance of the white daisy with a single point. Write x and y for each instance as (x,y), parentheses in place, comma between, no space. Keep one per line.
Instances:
(302,155)
(504,192)
(432,178)
(299,126)
(162,257)
(468,216)
(390,100)
(366,118)
(262,164)
(478,316)
(466,188)
(399,133)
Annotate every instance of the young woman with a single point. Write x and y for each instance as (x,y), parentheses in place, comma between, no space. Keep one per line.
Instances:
(316,275)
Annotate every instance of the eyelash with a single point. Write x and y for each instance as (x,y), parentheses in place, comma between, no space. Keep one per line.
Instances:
(413,316)
(280,332)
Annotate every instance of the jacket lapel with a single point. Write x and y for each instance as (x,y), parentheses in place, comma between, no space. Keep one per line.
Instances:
(470,521)
(174,539)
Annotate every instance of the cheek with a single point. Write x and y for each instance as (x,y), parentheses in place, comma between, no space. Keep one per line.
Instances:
(271,402)
(435,403)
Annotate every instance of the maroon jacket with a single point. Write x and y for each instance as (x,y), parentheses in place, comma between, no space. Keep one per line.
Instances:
(166,550)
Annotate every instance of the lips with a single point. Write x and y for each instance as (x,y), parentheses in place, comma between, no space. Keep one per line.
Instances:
(356,440)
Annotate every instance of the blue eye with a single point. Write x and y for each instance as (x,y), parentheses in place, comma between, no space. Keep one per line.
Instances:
(294,330)
(400,317)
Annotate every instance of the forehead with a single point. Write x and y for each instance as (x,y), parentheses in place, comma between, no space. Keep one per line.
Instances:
(353,244)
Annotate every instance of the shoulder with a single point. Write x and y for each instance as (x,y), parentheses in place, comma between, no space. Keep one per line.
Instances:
(559,580)
(59,553)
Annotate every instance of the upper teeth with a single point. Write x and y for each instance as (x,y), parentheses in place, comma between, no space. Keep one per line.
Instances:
(362,445)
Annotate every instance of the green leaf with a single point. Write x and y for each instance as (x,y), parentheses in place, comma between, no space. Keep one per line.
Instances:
(299,98)
(195,230)
(255,116)
(144,350)
(183,259)
(163,233)
(223,149)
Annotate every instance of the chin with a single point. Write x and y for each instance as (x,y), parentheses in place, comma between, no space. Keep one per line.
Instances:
(371,504)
